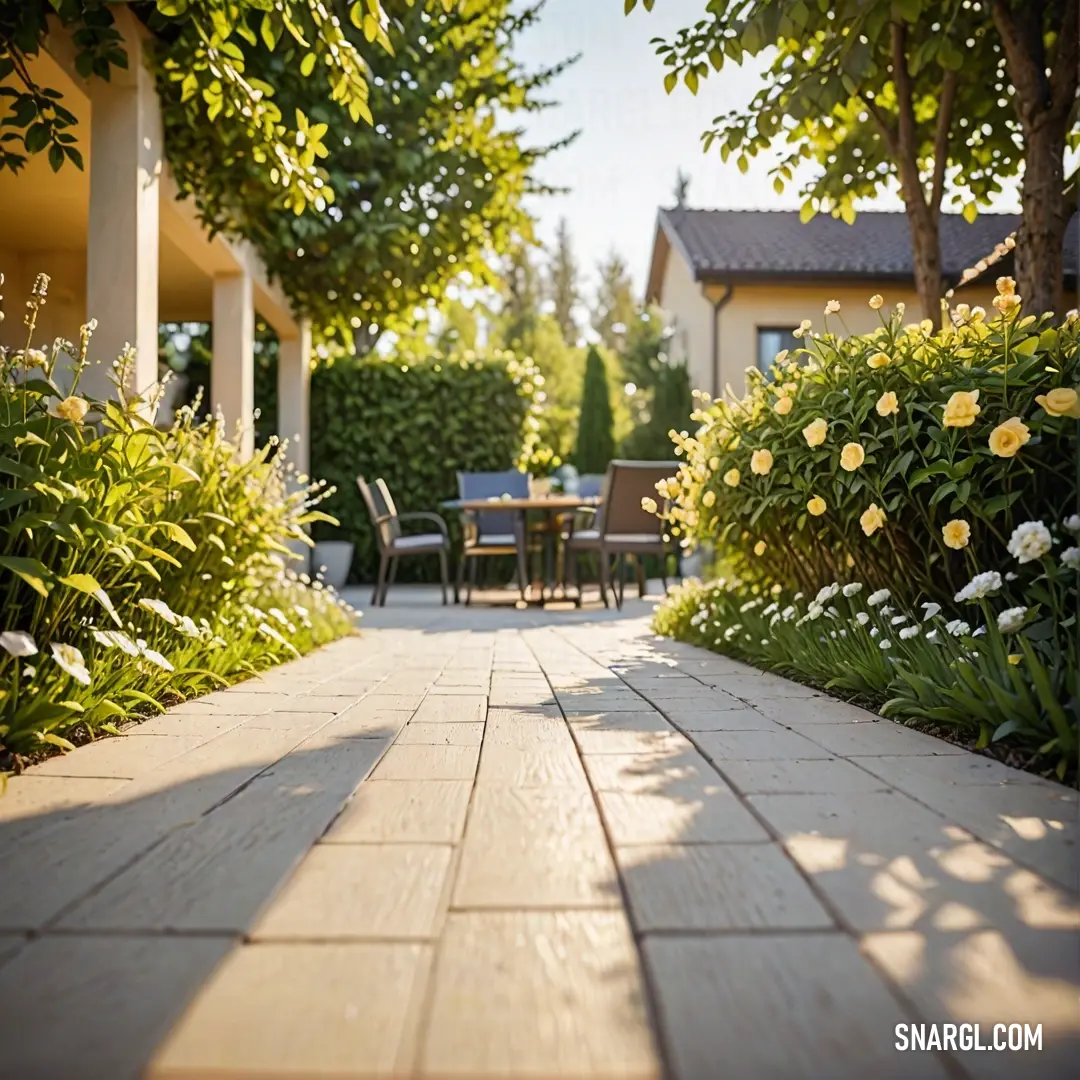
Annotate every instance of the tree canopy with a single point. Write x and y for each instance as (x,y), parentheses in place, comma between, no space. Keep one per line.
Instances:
(382,126)
(916,92)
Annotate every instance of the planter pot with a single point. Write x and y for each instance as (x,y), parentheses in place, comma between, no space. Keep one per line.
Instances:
(336,557)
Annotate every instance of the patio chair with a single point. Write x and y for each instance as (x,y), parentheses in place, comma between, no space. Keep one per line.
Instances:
(619,527)
(492,532)
(394,545)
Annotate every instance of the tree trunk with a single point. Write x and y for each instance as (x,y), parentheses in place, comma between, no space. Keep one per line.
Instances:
(926,251)
(1040,267)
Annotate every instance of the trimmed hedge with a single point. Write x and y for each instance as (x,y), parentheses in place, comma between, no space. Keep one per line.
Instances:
(415,425)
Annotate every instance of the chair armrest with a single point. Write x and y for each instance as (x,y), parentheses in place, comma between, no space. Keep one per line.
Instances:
(424,515)
(578,517)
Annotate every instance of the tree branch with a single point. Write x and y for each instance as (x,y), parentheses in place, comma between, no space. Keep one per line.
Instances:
(1025,57)
(941,141)
(1066,70)
(906,146)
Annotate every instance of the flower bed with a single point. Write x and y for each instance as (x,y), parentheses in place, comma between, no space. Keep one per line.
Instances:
(139,566)
(937,470)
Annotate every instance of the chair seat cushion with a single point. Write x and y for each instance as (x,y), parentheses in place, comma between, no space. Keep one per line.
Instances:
(421,541)
(647,543)
(496,540)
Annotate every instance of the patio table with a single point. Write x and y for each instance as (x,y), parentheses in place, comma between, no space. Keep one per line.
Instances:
(548,505)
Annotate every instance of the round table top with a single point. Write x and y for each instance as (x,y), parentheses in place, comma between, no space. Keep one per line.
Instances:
(530,502)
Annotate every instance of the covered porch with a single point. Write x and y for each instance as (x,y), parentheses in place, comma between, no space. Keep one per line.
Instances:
(120,247)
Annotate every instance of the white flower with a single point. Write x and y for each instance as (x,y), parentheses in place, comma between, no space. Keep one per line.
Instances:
(1010,620)
(798,596)
(1010,576)
(155,658)
(832,307)
(932,635)
(853,588)
(979,586)
(862,618)
(17,643)
(884,643)
(186,625)
(1072,524)
(878,597)
(896,620)
(159,607)
(887,609)
(116,639)
(814,610)
(770,609)
(873,631)
(788,613)
(981,630)
(827,592)
(930,610)
(1030,541)
(958,628)
(1070,557)
(909,632)
(71,660)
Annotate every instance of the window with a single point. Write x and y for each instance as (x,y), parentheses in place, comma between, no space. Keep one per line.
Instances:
(772,340)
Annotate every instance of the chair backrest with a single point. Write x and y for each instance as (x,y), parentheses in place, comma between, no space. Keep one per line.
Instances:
(381,509)
(625,485)
(487,485)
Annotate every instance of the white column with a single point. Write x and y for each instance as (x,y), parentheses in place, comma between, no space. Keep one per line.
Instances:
(294,395)
(293,418)
(232,370)
(122,237)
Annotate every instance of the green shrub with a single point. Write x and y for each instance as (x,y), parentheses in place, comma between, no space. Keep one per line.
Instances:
(415,424)
(852,458)
(596,426)
(139,565)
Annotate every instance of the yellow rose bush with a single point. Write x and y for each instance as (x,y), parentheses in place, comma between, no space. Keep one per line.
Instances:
(973,422)
(139,566)
(914,542)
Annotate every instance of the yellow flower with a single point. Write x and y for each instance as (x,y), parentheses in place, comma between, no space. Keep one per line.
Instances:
(1061,401)
(878,360)
(815,432)
(817,506)
(648,505)
(852,456)
(714,463)
(956,534)
(802,328)
(1006,286)
(876,301)
(790,388)
(73,409)
(783,405)
(887,404)
(962,408)
(709,498)
(732,477)
(873,518)
(761,462)
(1007,438)
(1015,658)
(759,548)
(1006,302)
(832,307)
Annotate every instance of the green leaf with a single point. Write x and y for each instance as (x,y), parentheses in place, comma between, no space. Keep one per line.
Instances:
(177,534)
(670,81)
(30,570)
(307,65)
(85,583)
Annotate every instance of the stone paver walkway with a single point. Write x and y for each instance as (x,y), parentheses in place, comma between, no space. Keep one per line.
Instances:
(492,843)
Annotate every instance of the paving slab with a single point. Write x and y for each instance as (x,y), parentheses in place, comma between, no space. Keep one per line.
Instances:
(801,776)
(403,812)
(548,846)
(374,891)
(884,737)
(124,757)
(218,872)
(775,744)
(451,708)
(720,1000)
(704,887)
(531,994)
(452,734)
(302,1010)
(53,992)
(419,761)
(709,814)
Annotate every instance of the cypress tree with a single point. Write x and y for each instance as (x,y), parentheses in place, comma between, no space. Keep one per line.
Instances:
(595,438)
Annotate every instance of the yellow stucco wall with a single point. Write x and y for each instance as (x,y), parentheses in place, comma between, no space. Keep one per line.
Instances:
(777,304)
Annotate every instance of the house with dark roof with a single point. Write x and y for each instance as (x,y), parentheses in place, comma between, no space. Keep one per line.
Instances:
(736,283)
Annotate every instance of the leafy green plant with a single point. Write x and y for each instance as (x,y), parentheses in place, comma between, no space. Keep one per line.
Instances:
(416,421)
(905,457)
(1001,665)
(138,564)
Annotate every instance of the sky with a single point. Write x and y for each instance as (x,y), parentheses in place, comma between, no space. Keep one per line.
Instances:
(634,137)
